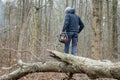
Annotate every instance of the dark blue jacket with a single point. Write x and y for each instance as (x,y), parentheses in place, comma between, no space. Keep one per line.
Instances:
(72,22)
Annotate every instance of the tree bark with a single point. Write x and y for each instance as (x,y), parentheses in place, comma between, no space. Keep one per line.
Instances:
(114,26)
(68,63)
(25,15)
(96,30)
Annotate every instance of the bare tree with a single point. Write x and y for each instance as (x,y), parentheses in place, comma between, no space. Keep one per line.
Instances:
(115,39)
(32,26)
(96,30)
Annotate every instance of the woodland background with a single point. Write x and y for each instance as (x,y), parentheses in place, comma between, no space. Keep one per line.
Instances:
(32,26)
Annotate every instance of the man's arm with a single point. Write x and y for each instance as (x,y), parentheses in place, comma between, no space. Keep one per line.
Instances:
(66,23)
(81,25)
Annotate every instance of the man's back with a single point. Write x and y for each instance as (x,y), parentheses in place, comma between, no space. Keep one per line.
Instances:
(73,23)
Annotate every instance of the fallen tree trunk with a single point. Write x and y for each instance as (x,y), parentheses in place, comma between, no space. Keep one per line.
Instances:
(68,63)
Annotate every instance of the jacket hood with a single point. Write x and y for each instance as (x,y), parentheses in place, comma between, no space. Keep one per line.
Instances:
(72,11)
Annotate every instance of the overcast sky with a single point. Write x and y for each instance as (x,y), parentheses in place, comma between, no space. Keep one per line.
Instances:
(4,1)
(15,0)
(1,13)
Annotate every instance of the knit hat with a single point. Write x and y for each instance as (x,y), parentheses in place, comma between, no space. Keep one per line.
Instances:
(67,9)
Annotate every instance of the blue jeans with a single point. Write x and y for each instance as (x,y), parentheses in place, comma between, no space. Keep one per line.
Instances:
(74,37)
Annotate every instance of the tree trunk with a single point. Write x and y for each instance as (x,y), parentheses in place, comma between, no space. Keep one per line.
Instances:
(66,3)
(25,14)
(35,30)
(68,63)
(114,26)
(96,32)
(72,3)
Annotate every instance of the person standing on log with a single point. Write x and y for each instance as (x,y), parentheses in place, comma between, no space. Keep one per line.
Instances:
(72,27)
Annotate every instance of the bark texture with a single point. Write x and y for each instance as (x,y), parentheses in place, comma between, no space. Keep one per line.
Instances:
(68,63)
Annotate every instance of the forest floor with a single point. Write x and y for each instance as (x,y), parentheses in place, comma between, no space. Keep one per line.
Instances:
(57,76)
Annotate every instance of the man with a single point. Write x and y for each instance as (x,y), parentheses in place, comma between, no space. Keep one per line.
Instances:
(72,26)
